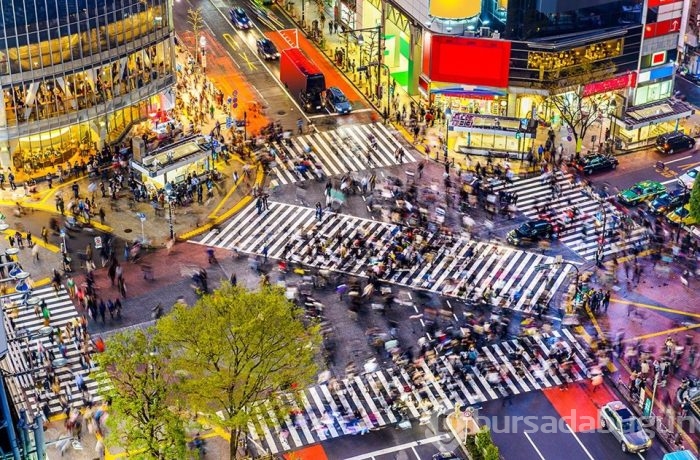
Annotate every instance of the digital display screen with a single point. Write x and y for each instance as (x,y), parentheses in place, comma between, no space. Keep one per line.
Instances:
(469,61)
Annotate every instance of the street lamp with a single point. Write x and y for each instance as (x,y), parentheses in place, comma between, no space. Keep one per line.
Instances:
(448,118)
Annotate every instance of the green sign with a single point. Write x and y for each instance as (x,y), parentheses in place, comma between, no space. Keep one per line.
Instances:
(647,407)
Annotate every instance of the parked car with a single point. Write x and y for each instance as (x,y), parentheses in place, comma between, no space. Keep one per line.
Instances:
(533,231)
(687,180)
(336,102)
(239,18)
(673,142)
(267,49)
(596,162)
(625,426)
(669,200)
(641,191)
(681,216)
(446,455)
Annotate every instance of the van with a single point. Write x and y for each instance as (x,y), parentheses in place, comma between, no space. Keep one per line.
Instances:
(673,142)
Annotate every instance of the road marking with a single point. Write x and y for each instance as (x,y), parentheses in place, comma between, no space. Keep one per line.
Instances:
(408,445)
(251,64)
(579,442)
(688,166)
(534,446)
(415,452)
(666,332)
(666,182)
(656,307)
(677,160)
(231,41)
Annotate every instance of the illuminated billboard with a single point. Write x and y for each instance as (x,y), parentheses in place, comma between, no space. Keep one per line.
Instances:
(454,9)
(469,61)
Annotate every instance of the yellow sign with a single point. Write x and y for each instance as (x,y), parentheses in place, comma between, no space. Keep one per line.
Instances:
(454,9)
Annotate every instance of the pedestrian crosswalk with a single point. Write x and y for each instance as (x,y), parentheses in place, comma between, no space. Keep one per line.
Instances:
(456,266)
(26,347)
(583,232)
(338,151)
(357,403)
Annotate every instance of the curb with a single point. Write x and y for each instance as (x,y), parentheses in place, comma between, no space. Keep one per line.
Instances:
(456,435)
(260,176)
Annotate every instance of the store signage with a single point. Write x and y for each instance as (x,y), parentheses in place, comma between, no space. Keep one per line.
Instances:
(623,81)
(469,61)
(655,3)
(658,58)
(657,29)
(454,9)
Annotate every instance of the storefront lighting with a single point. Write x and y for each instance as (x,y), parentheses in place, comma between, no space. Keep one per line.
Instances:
(46,136)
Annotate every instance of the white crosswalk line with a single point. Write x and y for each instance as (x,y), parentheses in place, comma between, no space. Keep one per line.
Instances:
(338,151)
(533,194)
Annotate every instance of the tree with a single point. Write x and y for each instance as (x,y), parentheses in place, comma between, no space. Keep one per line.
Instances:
(239,350)
(196,22)
(578,111)
(695,201)
(143,418)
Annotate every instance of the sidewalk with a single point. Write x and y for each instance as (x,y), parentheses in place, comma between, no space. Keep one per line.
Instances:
(461,426)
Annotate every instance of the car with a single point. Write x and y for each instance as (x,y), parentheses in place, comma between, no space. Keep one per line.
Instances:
(267,49)
(681,216)
(687,180)
(533,231)
(446,455)
(641,191)
(625,426)
(239,18)
(336,102)
(589,164)
(669,200)
(673,142)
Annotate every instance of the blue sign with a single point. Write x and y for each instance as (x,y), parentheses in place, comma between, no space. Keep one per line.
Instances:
(141,215)
(229,122)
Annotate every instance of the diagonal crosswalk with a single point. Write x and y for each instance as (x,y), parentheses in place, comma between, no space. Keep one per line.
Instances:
(338,151)
(28,368)
(532,193)
(456,267)
(522,365)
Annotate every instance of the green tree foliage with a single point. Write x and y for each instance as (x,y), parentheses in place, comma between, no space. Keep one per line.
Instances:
(143,416)
(240,351)
(695,201)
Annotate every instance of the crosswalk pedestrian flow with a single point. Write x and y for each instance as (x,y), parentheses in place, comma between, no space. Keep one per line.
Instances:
(338,151)
(582,232)
(457,266)
(358,403)
(31,347)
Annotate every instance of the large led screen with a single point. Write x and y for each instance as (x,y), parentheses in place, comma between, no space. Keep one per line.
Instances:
(454,9)
(470,61)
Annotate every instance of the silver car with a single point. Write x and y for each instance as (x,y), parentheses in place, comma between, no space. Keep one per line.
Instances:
(627,429)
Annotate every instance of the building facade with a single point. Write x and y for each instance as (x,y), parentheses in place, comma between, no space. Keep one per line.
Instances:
(503,60)
(77,74)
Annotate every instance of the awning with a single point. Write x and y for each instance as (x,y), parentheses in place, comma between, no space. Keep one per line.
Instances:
(468,93)
(656,112)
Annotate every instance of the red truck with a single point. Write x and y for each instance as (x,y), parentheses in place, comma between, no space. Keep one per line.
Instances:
(303,78)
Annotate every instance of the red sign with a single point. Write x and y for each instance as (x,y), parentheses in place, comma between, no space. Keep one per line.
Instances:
(469,61)
(657,29)
(623,81)
(655,3)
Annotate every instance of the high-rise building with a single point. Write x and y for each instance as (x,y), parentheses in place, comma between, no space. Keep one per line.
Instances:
(505,60)
(77,74)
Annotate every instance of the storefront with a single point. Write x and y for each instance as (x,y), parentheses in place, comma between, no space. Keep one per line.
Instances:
(174,163)
(641,125)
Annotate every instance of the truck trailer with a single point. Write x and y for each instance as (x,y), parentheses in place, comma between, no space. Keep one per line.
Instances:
(303,78)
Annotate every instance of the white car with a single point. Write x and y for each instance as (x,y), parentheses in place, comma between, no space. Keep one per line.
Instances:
(688,179)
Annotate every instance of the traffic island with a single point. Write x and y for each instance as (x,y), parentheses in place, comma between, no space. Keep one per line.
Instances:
(474,440)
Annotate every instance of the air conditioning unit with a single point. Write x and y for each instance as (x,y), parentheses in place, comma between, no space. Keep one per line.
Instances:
(484,31)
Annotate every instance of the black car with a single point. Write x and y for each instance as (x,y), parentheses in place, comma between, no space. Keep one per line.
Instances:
(673,142)
(532,231)
(596,162)
(267,49)
(669,201)
(239,18)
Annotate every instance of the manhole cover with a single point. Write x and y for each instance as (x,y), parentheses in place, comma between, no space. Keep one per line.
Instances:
(127,230)
(281,112)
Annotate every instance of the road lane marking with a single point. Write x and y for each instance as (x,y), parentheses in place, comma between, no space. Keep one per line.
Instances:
(408,445)
(666,332)
(688,166)
(655,307)
(677,160)
(231,41)
(666,182)
(579,442)
(251,64)
(534,446)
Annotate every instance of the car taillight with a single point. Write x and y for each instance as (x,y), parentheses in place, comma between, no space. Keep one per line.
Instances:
(666,146)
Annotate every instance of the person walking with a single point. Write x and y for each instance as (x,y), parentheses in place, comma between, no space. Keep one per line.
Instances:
(319,211)
(35,253)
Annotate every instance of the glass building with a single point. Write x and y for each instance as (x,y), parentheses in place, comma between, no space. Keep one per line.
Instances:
(76,74)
